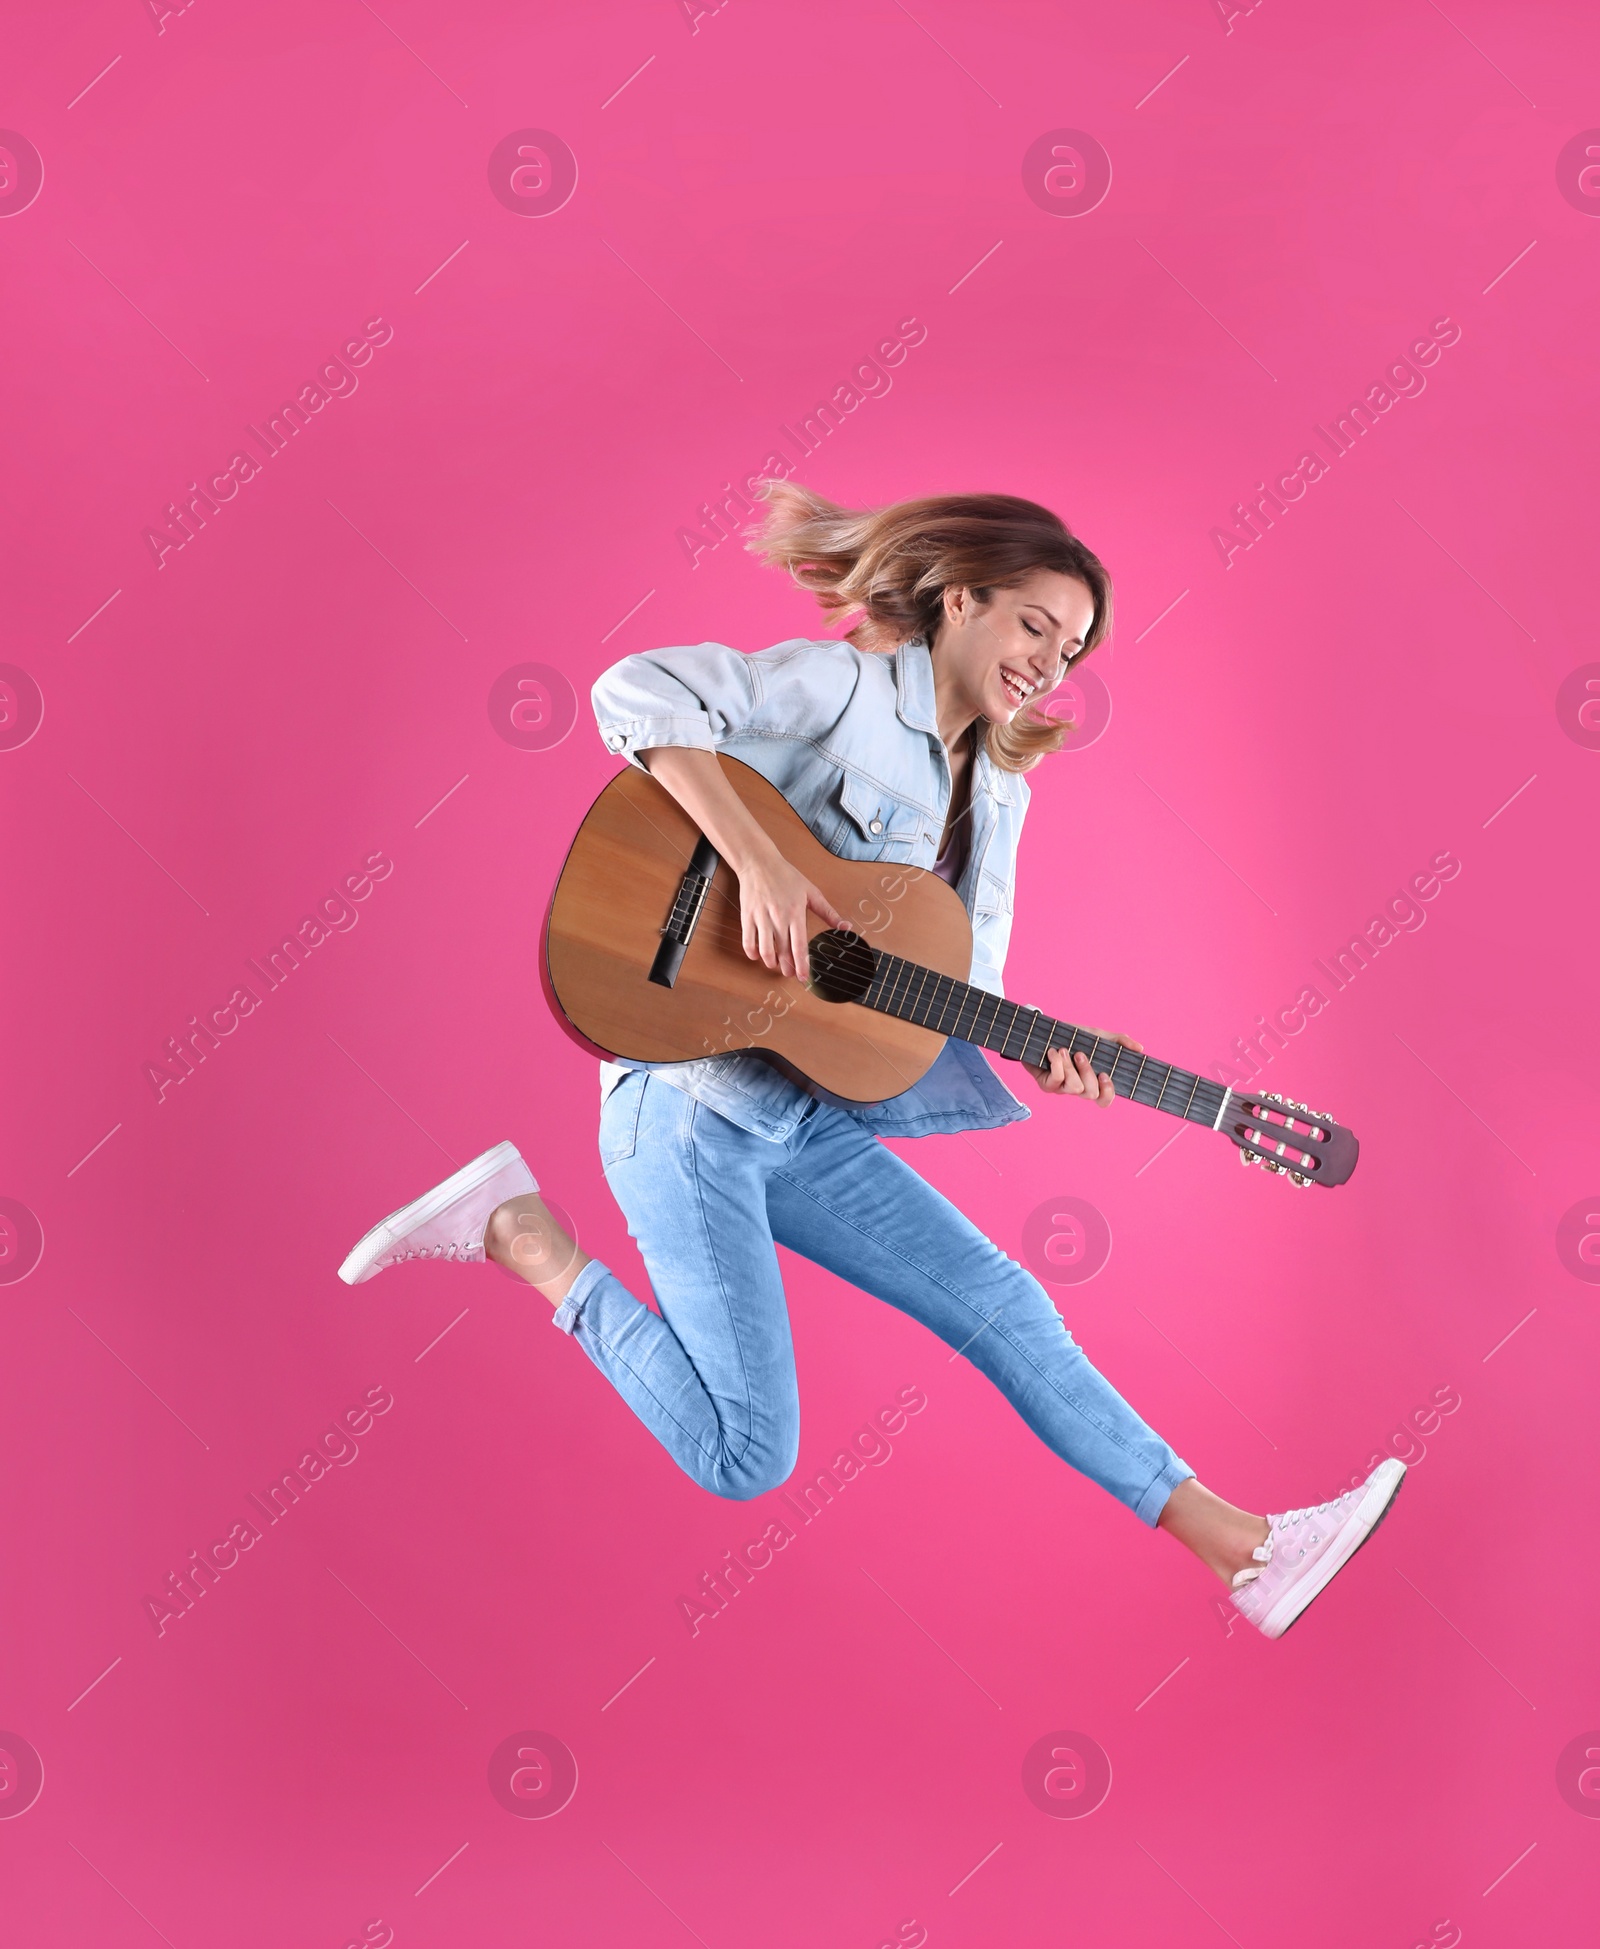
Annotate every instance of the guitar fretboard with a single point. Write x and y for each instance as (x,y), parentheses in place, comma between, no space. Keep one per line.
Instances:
(951,1007)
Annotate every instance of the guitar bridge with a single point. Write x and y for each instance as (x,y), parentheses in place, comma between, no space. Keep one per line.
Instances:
(685,916)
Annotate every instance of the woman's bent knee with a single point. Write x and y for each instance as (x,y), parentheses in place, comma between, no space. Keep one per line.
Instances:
(756,1473)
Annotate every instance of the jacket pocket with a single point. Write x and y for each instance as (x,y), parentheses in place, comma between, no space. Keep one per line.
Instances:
(993,895)
(877,825)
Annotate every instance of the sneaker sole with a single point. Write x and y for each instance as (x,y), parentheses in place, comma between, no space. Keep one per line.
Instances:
(1294,1602)
(420,1210)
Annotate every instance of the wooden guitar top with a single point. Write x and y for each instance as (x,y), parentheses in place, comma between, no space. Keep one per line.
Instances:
(617,890)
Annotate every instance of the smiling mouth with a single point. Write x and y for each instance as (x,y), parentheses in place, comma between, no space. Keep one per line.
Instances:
(1019,691)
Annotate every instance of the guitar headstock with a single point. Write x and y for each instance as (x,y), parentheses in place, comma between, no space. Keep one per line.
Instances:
(1284,1136)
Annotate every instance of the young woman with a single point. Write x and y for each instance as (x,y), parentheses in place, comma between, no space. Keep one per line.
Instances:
(906,740)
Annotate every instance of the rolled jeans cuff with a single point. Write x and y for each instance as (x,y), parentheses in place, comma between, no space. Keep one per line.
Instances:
(1150,1505)
(570,1310)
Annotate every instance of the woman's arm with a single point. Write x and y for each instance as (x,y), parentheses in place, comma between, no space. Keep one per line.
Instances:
(774,897)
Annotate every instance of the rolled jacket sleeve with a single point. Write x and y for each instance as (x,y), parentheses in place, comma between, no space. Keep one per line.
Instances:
(698,696)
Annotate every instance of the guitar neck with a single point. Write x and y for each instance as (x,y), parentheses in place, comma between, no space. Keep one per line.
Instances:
(951,1007)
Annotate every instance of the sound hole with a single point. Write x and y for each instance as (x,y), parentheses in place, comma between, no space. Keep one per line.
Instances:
(842,965)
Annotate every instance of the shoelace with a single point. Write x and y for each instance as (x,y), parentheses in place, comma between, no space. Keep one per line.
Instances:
(447,1251)
(1263,1551)
(1262,1554)
(1322,1508)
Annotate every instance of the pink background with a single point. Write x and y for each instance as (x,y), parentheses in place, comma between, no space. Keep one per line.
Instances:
(770,194)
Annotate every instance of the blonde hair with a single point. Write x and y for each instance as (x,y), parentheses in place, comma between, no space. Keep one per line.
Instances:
(893,564)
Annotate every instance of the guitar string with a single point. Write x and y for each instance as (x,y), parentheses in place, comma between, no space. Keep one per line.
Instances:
(1031,1023)
(944,987)
(910,997)
(734,938)
(1204,1093)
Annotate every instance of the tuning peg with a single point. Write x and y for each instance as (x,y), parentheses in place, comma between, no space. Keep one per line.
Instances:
(1271,1164)
(1288,1102)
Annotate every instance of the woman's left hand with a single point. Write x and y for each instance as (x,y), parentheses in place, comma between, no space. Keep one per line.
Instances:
(1061,1075)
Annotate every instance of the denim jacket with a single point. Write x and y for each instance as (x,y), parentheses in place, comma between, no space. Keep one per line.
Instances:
(850,738)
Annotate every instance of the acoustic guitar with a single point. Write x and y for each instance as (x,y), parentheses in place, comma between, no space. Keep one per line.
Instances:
(642,959)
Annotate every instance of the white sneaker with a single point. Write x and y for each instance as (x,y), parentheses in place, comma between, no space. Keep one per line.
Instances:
(1306,1547)
(447,1222)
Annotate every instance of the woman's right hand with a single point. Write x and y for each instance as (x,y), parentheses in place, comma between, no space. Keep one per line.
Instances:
(774,899)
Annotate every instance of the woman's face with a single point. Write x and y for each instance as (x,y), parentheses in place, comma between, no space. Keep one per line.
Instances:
(993,658)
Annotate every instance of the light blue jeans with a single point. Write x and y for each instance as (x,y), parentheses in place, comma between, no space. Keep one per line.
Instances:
(712,1376)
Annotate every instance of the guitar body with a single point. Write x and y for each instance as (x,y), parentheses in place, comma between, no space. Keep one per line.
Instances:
(617,890)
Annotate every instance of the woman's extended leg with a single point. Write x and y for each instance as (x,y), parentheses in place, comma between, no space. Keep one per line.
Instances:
(851,1205)
(847,1202)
